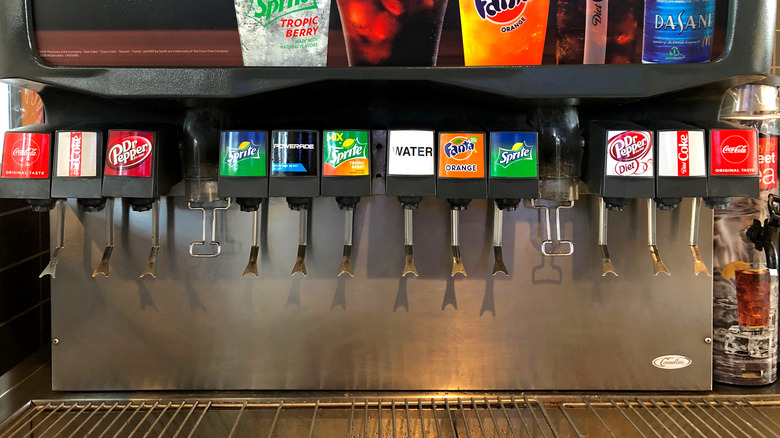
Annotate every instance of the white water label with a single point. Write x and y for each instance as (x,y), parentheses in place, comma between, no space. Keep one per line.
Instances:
(76,154)
(410,153)
(681,153)
(596,32)
(283,32)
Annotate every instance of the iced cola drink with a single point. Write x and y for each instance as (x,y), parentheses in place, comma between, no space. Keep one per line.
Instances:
(753,296)
(392,32)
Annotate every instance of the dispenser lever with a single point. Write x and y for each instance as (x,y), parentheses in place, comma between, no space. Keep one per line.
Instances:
(554,241)
(151,268)
(698,265)
(213,243)
(251,266)
(103,267)
(498,237)
(606,261)
(409,267)
(303,229)
(658,264)
(346,258)
(51,268)
(457,262)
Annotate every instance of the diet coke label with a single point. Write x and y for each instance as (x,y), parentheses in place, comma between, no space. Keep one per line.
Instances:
(681,153)
(734,152)
(630,153)
(26,155)
(76,154)
(129,153)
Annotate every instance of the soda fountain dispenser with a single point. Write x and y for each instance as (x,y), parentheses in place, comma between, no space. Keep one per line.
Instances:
(619,166)
(346,174)
(411,175)
(560,159)
(77,173)
(141,166)
(200,152)
(243,176)
(513,175)
(461,178)
(295,175)
(681,172)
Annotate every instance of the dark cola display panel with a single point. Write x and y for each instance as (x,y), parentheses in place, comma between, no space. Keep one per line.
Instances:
(345,32)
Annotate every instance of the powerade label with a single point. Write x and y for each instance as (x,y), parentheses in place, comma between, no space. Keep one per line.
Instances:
(678,31)
(461,155)
(630,153)
(681,153)
(734,152)
(410,153)
(294,153)
(26,155)
(513,155)
(242,153)
(345,153)
(76,154)
(767,161)
(129,153)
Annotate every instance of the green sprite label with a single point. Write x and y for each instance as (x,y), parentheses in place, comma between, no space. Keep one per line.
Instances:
(242,153)
(513,155)
(345,153)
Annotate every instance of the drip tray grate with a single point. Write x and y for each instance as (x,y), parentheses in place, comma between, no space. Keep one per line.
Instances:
(434,417)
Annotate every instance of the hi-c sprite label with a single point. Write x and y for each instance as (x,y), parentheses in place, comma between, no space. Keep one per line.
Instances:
(345,153)
(513,155)
(26,155)
(461,155)
(678,31)
(242,153)
(283,32)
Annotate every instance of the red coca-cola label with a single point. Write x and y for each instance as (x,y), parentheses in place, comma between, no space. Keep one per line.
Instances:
(630,153)
(734,152)
(129,153)
(767,162)
(26,155)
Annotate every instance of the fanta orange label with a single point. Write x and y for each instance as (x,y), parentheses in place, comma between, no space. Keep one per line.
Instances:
(503,32)
(461,155)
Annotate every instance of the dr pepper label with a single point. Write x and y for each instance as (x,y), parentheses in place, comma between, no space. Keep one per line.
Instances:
(129,153)
(345,153)
(461,155)
(26,155)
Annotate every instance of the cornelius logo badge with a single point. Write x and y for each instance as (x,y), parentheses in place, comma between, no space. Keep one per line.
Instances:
(129,154)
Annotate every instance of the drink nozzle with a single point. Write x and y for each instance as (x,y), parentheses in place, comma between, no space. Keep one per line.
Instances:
(409,204)
(51,268)
(347,204)
(251,266)
(151,268)
(456,205)
(606,261)
(658,264)
(103,267)
(301,205)
(498,237)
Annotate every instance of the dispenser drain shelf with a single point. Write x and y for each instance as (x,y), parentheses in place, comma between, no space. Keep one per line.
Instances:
(441,416)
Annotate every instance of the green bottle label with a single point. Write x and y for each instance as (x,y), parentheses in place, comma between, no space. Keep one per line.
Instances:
(345,153)
(242,153)
(513,155)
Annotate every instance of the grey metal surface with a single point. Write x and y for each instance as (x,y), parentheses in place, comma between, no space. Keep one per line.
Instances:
(553,324)
(474,415)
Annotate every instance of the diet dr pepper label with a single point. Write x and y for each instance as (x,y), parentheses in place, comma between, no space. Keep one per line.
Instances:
(243,153)
(767,161)
(26,155)
(461,155)
(410,153)
(513,155)
(76,154)
(294,153)
(630,153)
(129,153)
(283,32)
(734,152)
(345,153)
(681,153)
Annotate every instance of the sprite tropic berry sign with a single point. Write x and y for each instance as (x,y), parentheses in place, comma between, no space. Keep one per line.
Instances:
(345,153)
(242,153)
(513,155)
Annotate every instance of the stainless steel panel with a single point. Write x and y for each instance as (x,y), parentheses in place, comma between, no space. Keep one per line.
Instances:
(554,324)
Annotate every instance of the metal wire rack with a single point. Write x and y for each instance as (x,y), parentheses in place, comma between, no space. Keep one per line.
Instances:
(434,417)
